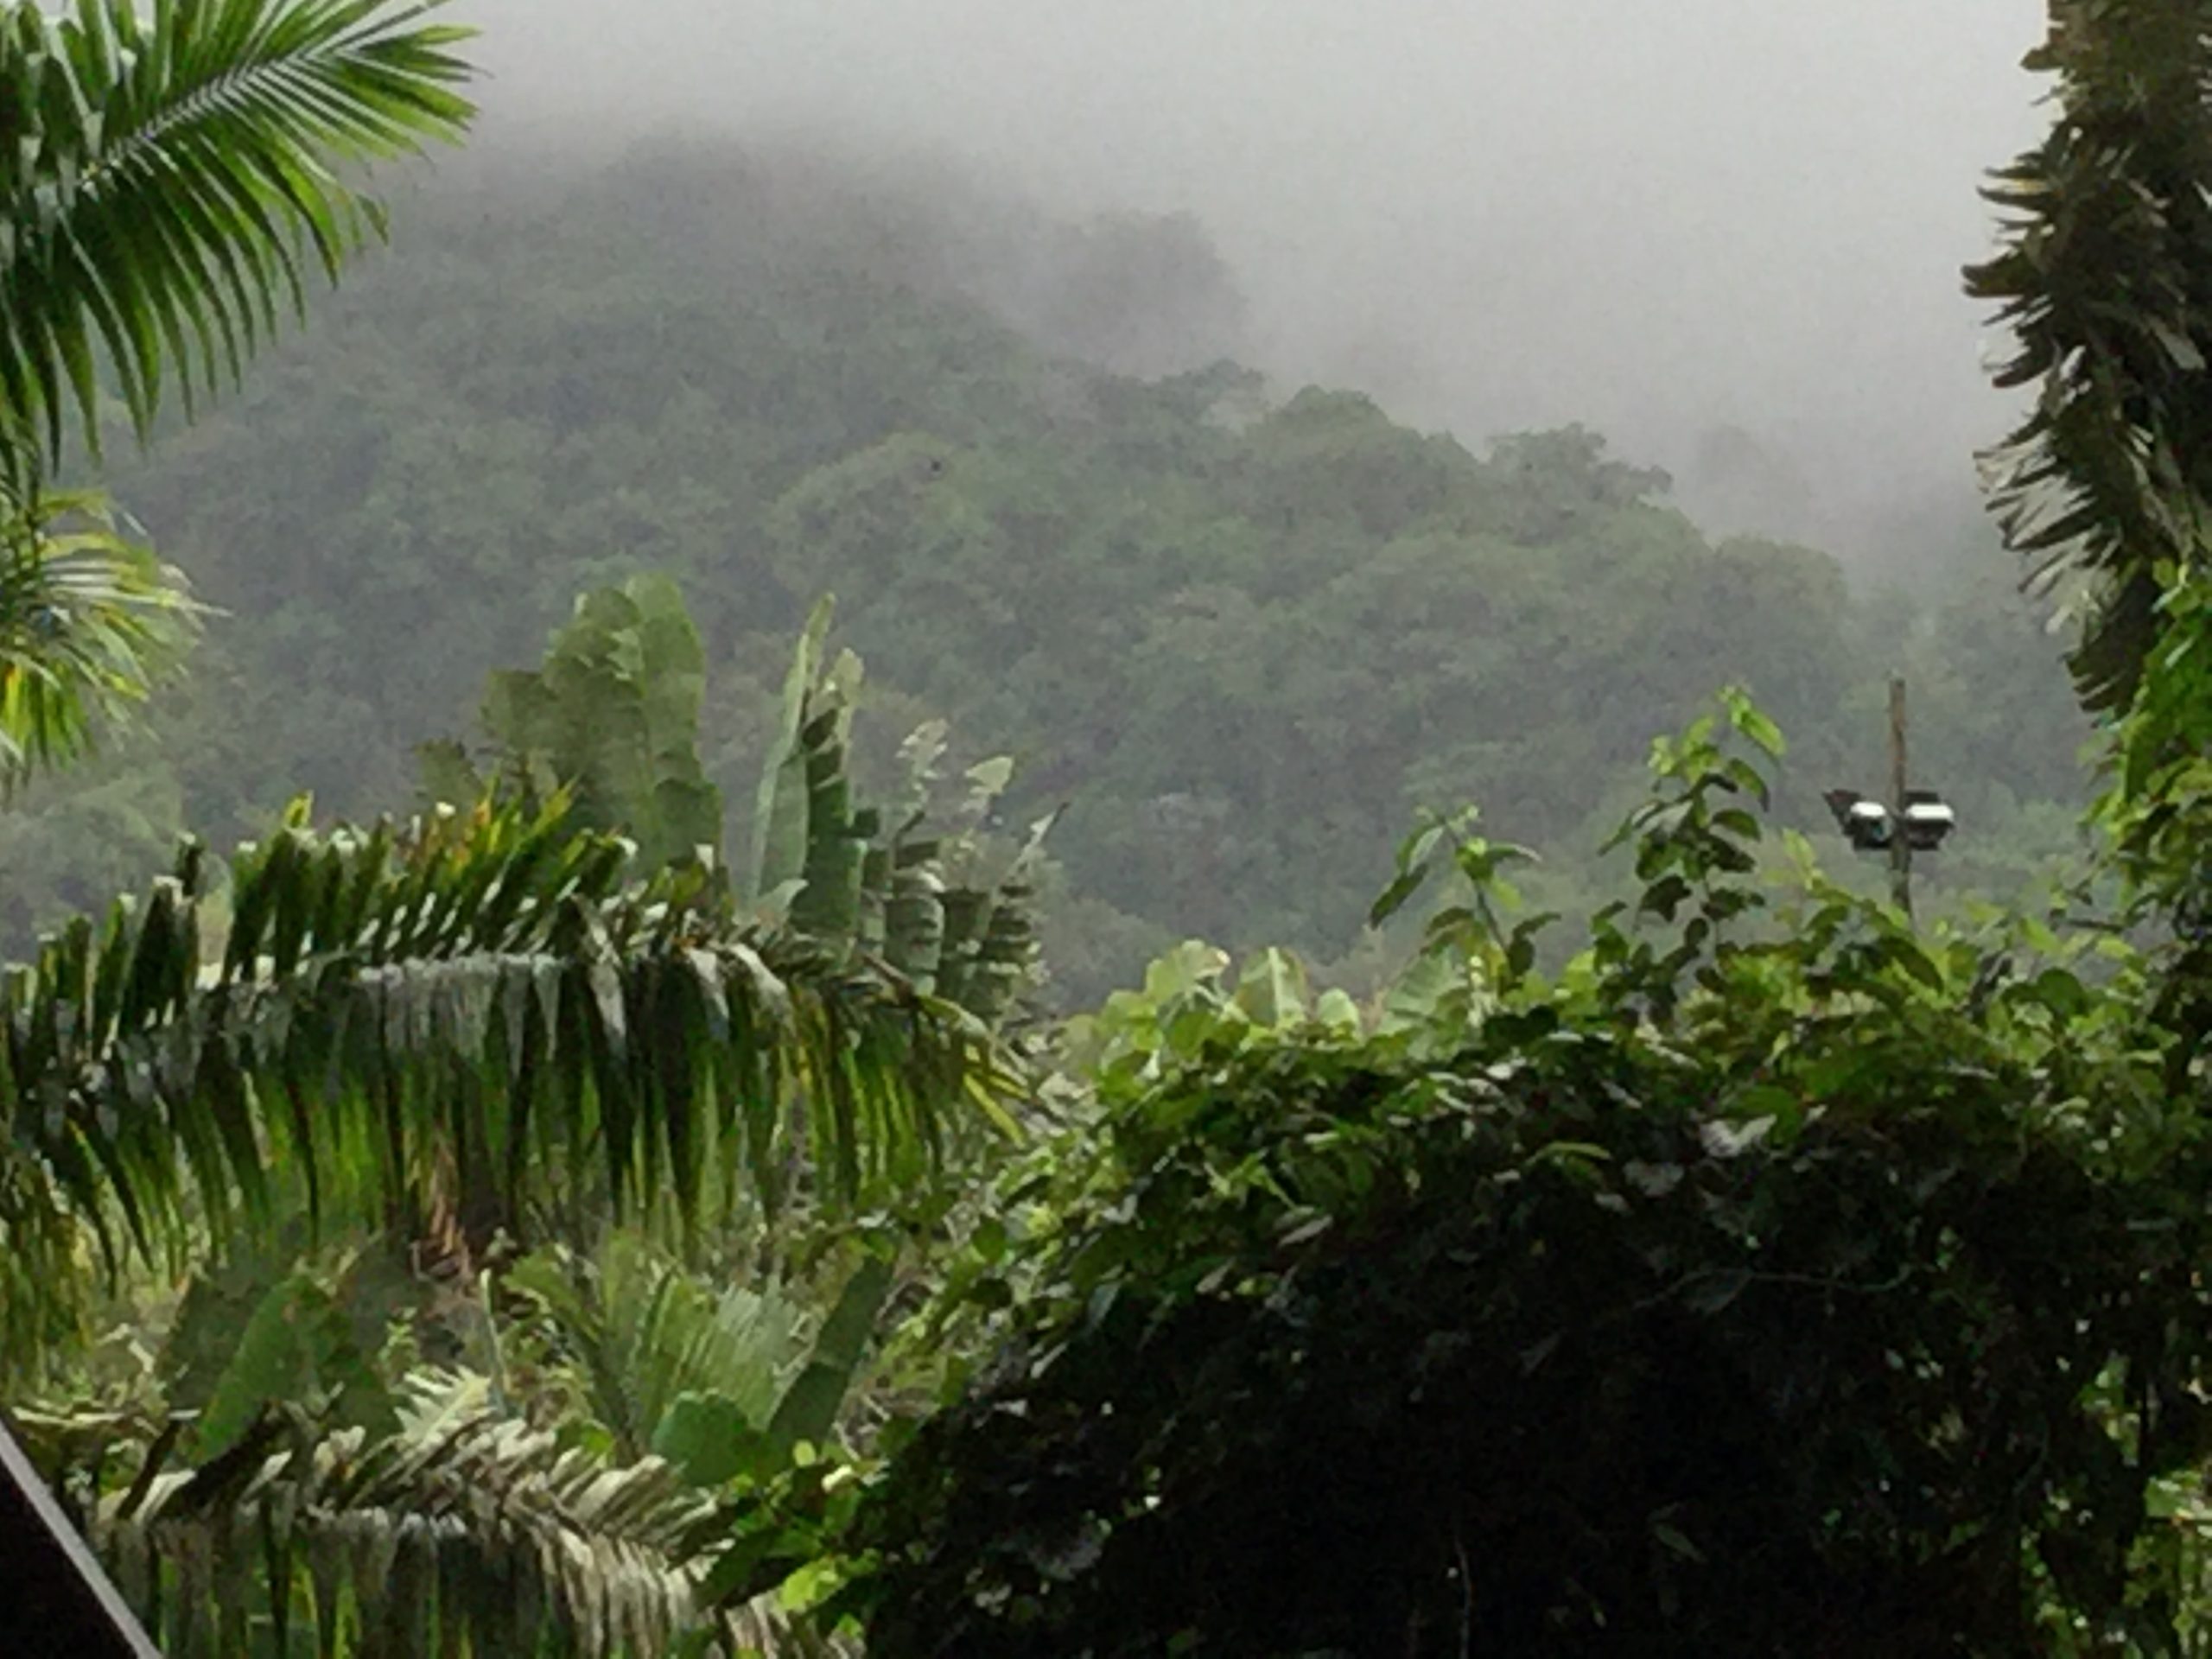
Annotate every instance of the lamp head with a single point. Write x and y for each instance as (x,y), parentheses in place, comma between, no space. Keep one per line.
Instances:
(1866,822)
(1928,819)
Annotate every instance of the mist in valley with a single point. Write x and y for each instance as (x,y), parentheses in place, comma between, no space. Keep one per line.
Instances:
(1263,425)
(1725,234)
(1029,827)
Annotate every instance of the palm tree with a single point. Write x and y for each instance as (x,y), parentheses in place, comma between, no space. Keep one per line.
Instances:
(2105,277)
(88,617)
(160,180)
(478,1028)
(470,1028)
(501,1024)
(460,1530)
(468,1025)
(165,183)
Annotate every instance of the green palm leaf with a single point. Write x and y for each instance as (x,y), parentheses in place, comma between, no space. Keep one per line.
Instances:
(89,619)
(163,181)
(474,1016)
(642,1333)
(460,1531)
(465,1531)
(2104,277)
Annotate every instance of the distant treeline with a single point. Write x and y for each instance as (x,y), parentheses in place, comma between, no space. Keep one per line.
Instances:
(1243,631)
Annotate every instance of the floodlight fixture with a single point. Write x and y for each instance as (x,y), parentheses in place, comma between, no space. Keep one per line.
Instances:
(1928,819)
(1911,821)
(1866,822)
(1871,826)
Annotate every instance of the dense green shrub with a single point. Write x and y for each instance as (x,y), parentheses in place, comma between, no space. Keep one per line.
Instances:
(1772,1281)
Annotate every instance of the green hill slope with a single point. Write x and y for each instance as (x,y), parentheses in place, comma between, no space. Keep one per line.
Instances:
(1243,635)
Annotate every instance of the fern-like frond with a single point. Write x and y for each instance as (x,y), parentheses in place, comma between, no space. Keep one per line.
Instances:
(89,619)
(476,1010)
(463,1532)
(640,1332)
(166,177)
(2104,278)
(466,1532)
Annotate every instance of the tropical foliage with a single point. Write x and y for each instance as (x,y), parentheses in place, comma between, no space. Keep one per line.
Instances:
(163,175)
(161,179)
(295,1487)
(2102,279)
(632,1206)
(1767,1277)
(1821,1289)
(462,1025)
(89,618)
(472,1045)
(502,1063)
(915,887)
(613,718)
(462,1530)
(1242,634)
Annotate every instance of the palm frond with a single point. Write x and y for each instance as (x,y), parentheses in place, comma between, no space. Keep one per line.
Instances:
(2104,277)
(89,619)
(465,1531)
(475,1010)
(165,179)
(462,1531)
(641,1333)
(911,896)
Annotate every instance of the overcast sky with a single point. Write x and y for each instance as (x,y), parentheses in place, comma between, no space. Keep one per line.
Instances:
(1654,216)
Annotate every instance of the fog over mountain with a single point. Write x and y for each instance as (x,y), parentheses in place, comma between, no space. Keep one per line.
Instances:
(1688,225)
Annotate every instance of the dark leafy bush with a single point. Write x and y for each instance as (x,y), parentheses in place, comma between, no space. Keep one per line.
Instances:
(1774,1281)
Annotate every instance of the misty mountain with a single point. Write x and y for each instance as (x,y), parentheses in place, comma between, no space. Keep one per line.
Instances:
(1493,217)
(1201,609)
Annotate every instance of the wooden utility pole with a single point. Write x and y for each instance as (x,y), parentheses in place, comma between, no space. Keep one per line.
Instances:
(1900,843)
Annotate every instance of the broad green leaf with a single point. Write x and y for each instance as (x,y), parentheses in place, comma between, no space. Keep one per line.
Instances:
(297,1343)
(781,814)
(808,1408)
(708,1439)
(1271,989)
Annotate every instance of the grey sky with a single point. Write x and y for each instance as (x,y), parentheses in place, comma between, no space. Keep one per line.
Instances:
(1654,216)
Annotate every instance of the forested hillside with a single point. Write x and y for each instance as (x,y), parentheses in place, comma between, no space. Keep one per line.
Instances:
(1243,631)
(598,1180)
